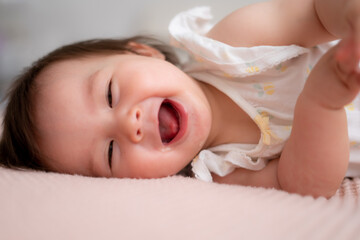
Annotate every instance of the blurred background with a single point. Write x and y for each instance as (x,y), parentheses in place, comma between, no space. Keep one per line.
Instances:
(31,28)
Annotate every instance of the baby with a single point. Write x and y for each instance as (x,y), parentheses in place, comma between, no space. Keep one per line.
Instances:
(248,108)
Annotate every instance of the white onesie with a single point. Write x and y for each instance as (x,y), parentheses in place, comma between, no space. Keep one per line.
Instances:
(265,81)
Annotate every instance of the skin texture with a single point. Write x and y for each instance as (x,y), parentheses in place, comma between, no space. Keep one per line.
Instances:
(77,124)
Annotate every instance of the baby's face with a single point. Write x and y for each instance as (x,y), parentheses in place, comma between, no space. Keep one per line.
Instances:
(120,116)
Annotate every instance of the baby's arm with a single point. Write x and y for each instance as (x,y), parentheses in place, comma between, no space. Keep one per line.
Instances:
(315,158)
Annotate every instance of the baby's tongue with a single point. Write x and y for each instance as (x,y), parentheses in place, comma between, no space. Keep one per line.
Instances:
(168,122)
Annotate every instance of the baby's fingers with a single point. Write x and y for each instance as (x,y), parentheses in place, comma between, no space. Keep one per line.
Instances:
(347,57)
(348,68)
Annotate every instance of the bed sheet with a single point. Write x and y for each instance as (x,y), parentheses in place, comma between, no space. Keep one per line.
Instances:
(38,205)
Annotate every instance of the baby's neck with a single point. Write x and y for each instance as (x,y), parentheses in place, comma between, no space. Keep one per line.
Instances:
(230,124)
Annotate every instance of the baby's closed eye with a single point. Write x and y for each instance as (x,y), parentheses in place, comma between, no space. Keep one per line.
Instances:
(110,152)
(109,94)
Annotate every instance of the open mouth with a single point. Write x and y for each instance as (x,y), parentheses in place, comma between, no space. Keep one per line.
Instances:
(169,121)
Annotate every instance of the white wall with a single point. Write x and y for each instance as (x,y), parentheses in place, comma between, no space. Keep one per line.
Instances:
(31,28)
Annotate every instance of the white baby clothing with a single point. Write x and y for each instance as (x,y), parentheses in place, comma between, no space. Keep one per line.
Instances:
(265,81)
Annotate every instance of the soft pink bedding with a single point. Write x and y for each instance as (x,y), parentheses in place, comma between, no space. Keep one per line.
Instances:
(37,205)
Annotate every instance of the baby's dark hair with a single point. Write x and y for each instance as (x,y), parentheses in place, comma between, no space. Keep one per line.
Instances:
(18,147)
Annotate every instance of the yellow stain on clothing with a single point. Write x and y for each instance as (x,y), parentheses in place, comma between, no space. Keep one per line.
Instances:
(267,134)
(199,59)
(281,68)
(264,114)
(252,69)
(269,88)
(354,144)
(287,128)
(350,107)
(308,69)
(265,88)
(227,75)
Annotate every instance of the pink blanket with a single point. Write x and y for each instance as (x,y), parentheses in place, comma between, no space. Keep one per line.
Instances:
(37,205)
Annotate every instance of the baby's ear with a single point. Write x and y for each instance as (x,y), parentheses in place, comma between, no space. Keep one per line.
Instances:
(145,50)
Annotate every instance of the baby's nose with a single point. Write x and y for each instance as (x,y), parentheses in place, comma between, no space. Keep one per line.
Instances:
(134,125)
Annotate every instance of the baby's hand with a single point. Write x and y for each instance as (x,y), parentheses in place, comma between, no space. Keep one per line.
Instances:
(347,58)
(347,55)
(335,80)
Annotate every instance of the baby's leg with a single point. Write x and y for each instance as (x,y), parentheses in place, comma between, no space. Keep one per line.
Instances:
(315,158)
